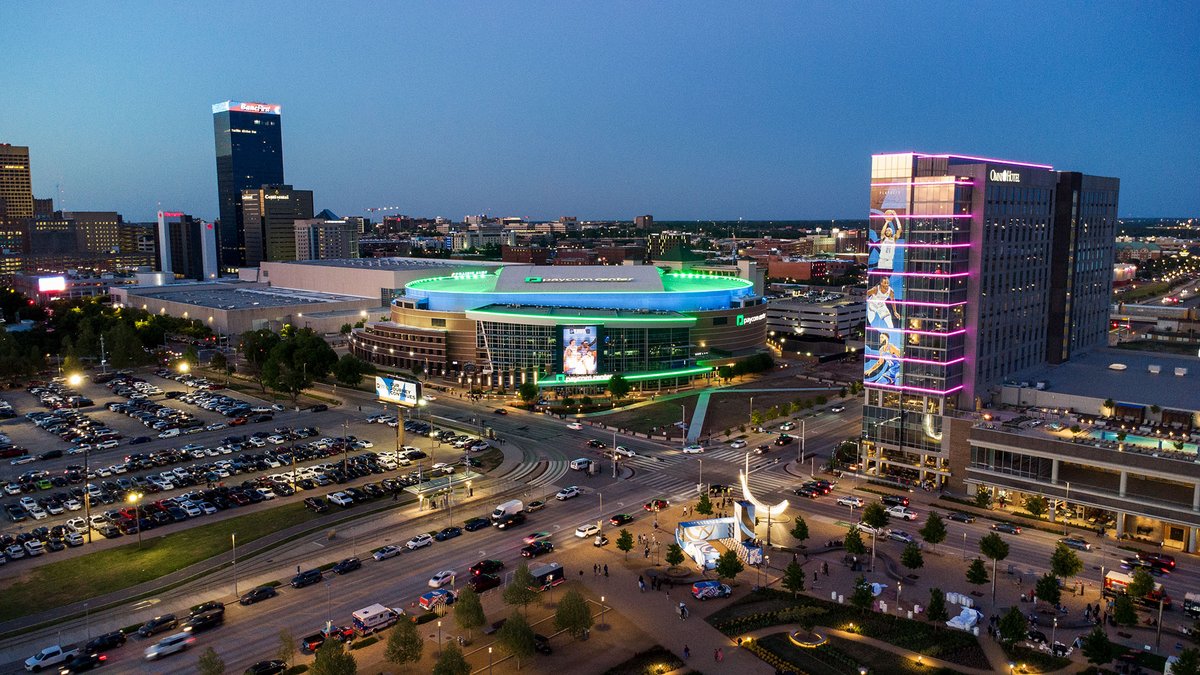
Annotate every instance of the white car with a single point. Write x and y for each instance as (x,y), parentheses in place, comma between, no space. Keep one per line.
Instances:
(419,541)
(693,449)
(587,530)
(363,443)
(902,512)
(567,493)
(787,426)
(386,552)
(441,579)
(192,510)
(169,645)
(341,499)
(575,426)
(837,409)
(624,451)
(738,444)
(850,500)
(36,512)
(443,467)
(867,529)
(267,494)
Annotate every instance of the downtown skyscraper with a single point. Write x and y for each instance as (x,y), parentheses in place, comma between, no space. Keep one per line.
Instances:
(979,269)
(249,144)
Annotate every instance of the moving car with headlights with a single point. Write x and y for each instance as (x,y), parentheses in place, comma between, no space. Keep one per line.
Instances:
(537,548)
(172,644)
(851,500)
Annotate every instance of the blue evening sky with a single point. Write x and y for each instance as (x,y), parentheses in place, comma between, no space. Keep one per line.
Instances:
(680,109)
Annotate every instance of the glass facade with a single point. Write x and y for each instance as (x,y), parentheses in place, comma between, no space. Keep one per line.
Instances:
(249,149)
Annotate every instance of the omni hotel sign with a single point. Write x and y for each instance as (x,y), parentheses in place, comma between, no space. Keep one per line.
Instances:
(1005,176)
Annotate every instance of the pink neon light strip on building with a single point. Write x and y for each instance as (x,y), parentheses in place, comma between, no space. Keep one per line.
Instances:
(920,215)
(926,304)
(942,275)
(905,331)
(927,182)
(919,390)
(987,159)
(922,361)
(908,245)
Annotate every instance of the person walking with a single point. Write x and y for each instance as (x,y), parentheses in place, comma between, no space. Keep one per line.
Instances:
(605,569)
(641,584)
(686,652)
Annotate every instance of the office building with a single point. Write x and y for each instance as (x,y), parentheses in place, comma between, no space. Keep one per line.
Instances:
(249,145)
(188,246)
(325,238)
(16,185)
(979,269)
(95,231)
(269,215)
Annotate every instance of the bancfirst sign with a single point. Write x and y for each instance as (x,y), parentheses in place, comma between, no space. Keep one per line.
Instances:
(250,107)
(395,390)
(1005,176)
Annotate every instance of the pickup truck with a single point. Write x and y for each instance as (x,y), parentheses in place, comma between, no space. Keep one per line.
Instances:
(50,656)
(313,642)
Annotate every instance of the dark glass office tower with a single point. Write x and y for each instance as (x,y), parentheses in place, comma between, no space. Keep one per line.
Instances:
(249,142)
(979,269)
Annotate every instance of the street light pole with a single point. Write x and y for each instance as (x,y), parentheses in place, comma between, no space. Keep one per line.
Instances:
(683,420)
(233,538)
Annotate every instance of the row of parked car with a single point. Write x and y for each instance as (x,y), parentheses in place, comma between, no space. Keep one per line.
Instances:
(75,427)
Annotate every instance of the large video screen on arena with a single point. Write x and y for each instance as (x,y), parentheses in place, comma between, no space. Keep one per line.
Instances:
(579,350)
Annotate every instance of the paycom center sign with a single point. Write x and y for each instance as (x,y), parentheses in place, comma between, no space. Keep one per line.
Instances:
(396,390)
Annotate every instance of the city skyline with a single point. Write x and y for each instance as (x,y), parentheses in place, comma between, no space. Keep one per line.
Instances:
(601,113)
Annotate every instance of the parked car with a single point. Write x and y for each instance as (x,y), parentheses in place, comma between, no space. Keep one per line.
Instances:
(851,500)
(1076,543)
(587,530)
(157,625)
(441,578)
(901,536)
(419,541)
(960,517)
(271,667)
(307,578)
(348,565)
(655,505)
(1006,527)
(258,595)
(621,519)
(386,552)
(448,533)
(482,582)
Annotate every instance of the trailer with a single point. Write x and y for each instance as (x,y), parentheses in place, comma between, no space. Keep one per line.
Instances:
(546,575)
(1116,583)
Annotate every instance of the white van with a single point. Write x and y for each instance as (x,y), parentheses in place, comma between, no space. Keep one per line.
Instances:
(581,464)
(374,618)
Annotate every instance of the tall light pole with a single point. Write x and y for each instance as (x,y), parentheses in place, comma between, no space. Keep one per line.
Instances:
(134,498)
(75,379)
(803,438)
(683,421)
(233,538)
(751,420)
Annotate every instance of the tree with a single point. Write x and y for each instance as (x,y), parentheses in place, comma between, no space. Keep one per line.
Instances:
(983,497)
(911,556)
(404,644)
(333,659)
(1013,626)
(625,542)
(209,663)
(256,346)
(573,615)
(123,347)
(1048,590)
(976,573)
(800,530)
(518,592)
(1124,613)
(1188,662)
(704,507)
(1064,563)
(345,329)
(71,364)
(349,370)
(854,543)
(618,387)
(451,662)
(218,362)
(191,356)
(934,530)
(516,637)
(468,610)
(725,373)
(1141,584)
(286,650)
(528,391)
(861,597)
(674,555)
(936,611)
(793,578)
(1035,505)
(728,565)
(995,548)
(1096,647)
(875,515)
(300,357)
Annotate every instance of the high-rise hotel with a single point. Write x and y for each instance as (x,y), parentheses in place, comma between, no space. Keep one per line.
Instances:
(979,269)
(249,144)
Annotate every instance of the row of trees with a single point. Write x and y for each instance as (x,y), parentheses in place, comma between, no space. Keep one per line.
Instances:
(751,364)
(617,387)
(291,360)
(790,408)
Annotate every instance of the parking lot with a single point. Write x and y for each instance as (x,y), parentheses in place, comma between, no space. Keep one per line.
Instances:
(206,466)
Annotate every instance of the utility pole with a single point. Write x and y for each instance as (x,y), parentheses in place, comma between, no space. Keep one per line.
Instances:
(103,358)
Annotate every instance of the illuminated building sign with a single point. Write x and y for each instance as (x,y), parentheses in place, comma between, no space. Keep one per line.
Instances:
(250,107)
(743,320)
(171,214)
(1005,176)
(586,280)
(52,284)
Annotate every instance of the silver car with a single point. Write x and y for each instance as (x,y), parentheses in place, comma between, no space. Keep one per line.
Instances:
(169,645)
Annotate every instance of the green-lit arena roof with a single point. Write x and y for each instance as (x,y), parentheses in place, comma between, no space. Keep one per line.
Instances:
(637,287)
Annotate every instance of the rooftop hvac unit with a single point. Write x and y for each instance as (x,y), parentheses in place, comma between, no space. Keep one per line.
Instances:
(1154,368)
(1180,372)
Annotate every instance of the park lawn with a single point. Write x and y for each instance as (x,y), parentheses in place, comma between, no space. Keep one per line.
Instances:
(67,581)
(880,660)
(660,414)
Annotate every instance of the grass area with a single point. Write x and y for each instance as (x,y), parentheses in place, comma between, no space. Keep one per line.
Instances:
(67,581)
(658,415)
(879,660)
(1159,347)
(803,660)
(650,662)
(918,636)
(1033,660)
(489,459)
(1145,289)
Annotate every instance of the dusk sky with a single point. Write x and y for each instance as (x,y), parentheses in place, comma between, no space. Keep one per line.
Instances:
(601,110)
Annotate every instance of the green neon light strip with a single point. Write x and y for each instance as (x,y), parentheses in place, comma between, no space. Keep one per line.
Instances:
(566,320)
(632,377)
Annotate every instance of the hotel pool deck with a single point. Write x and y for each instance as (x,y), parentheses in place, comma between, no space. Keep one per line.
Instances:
(1149,443)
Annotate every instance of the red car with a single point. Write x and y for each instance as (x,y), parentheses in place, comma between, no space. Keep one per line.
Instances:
(656,505)
(237,421)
